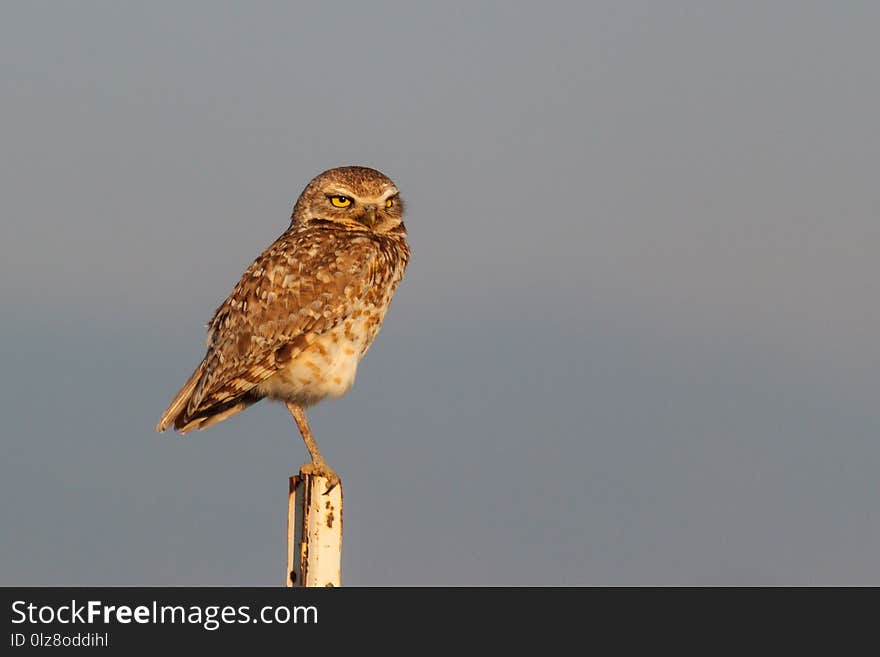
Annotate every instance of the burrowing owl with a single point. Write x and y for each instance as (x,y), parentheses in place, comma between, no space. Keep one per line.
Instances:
(306,310)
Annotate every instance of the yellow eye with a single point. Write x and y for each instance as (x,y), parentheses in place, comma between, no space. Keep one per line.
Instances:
(340,201)
(389,203)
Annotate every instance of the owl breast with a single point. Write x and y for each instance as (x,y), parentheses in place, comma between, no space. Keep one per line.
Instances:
(327,367)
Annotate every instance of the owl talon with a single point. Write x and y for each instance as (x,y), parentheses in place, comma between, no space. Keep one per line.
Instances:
(321,469)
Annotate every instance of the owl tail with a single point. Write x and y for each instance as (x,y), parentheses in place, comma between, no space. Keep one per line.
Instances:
(185,419)
(178,405)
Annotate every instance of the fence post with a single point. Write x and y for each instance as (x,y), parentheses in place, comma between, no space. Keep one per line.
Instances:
(314,532)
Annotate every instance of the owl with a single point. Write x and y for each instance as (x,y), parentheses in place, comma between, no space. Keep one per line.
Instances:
(305,311)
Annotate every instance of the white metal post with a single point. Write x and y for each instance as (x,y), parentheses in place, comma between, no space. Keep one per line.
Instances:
(314,532)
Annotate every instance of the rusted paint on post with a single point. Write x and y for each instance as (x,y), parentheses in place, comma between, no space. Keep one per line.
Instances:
(314,532)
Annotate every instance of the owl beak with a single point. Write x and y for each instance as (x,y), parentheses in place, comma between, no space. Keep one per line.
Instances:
(369,216)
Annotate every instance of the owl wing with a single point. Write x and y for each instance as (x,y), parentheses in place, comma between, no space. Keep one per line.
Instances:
(301,286)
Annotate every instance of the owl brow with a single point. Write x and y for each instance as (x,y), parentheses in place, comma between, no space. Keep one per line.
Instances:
(388,193)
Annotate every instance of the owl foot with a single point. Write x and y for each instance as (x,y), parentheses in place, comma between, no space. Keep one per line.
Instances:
(321,469)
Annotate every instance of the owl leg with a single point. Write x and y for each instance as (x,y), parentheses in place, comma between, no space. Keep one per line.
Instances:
(318,466)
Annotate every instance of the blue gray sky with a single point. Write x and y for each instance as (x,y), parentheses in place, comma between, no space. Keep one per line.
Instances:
(637,343)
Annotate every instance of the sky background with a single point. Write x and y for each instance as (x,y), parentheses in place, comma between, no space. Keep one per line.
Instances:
(637,343)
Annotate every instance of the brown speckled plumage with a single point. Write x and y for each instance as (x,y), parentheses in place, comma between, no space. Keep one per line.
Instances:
(307,309)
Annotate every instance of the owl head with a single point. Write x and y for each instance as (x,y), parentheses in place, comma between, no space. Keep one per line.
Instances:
(351,198)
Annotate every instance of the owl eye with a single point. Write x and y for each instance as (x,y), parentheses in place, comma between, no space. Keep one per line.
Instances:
(389,203)
(340,201)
